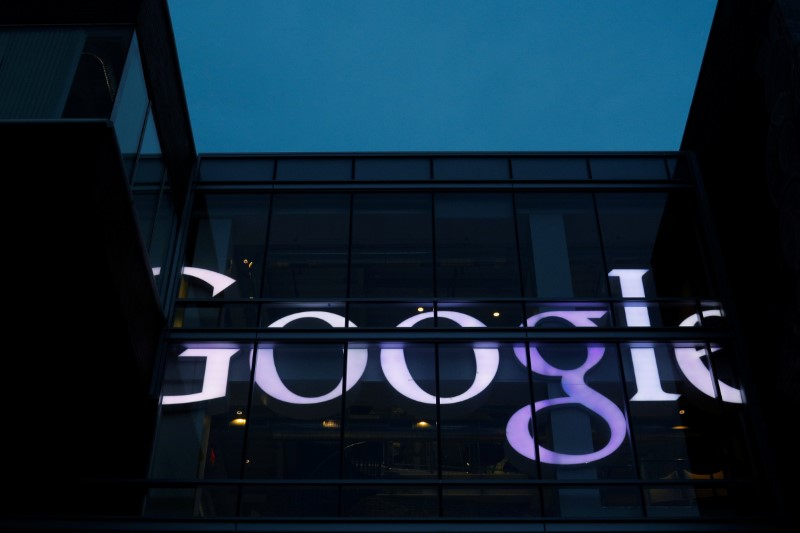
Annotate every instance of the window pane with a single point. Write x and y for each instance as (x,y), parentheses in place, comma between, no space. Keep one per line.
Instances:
(295,418)
(384,168)
(307,247)
(392,246)
(201,429)
(658,233)
(226,237)
(467,168)
(560,246)
(325,169)
(549,168)
(390,428)
(236,169)
(474,434)
(580,423)
(633,168)
(476,250)
(686,411)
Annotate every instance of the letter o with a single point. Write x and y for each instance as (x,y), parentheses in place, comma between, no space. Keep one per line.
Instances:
(266,374)
(393,363)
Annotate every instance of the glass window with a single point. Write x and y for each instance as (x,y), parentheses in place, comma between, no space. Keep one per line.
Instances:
(387,168)
(628,168)
(482,385)
(308,246)
(469,168)
(322,169)
(685,411)
(657,233)
(225,246)
(549,168)
(390,428)
(479,314)
(392,252)
(580,424)
(205,394)
(560,246)
(476,249)
(294,427)
(130,107)
(236,169)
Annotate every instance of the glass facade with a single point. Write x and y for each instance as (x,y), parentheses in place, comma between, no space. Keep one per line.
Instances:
(529,337)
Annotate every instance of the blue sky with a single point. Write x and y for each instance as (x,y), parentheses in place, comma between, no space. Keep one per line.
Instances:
(439,75)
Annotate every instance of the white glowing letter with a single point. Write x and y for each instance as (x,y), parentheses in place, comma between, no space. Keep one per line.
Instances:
(219,282)
(645,369)
(691,364)
(393,362)
(215,378)
(266,375)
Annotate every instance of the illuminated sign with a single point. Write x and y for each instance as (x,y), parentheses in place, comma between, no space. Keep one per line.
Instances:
(577,391)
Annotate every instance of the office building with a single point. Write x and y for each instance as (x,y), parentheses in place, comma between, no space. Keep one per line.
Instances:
(397,341)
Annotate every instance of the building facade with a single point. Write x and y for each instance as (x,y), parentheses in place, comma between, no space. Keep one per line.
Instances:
(368,342)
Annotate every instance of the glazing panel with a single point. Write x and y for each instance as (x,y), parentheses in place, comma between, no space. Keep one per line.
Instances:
(130,107)
(491,501)
(469,168)
(312,169)
(482,386)
(400,501)
(478,314)
(290,501)
(687,419)
(294,428)
(388,168)
(476,249)
(203,414)
(307,251)
(549,168)
(236,169)
(225,246)
(656,234)
(390,413)
(557,315)
(628,168)
(600,502)
(392,252)
(385,314)
(560,246)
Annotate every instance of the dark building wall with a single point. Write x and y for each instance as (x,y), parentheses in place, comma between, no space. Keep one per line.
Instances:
(744,127)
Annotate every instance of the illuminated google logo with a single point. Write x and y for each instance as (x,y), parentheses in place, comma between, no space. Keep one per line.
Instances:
(518,434)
